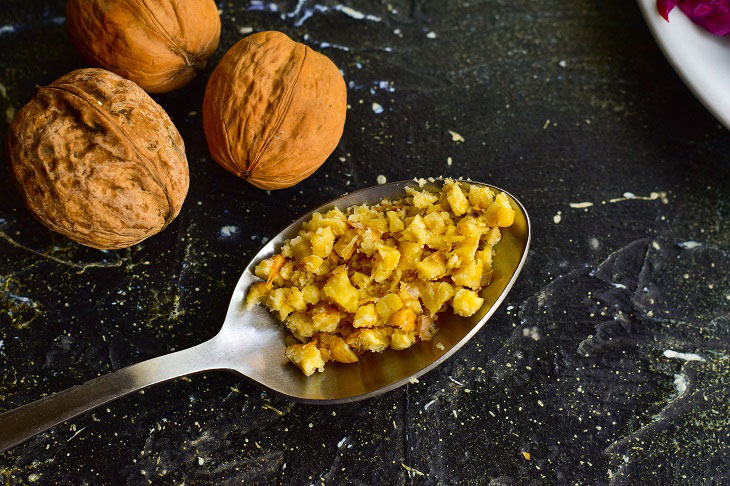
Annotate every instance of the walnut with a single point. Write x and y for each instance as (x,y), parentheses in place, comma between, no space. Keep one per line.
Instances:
(96,159)
(273,110)
(160,45)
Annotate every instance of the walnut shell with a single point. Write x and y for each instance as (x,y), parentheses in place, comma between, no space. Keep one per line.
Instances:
(96,159)
(159,44)
(273,110)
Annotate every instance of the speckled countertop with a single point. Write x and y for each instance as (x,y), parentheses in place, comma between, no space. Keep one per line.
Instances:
(608,363)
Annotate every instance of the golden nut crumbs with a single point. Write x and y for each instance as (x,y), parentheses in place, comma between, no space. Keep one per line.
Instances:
(372,277)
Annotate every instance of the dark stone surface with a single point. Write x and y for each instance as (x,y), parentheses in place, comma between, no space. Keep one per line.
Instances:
(560,102)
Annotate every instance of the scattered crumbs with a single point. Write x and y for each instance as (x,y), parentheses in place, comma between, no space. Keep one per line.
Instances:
(449,161)
(342,442)
(425,407)
(201,461)
(547,124)
(431,35)
(532,332)
(377,108)
(526,455)
(269,407)
(581,205)
(356,14)
(381,179)
(245,30)
(558,217)
(670,353)
(228,231)
(412,470)
(689,244)
(440,346)
(413,380)
(628,196)
(456,137)
(562,63)
(455,381)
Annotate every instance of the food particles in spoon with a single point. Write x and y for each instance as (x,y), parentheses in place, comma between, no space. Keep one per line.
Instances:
(366,278)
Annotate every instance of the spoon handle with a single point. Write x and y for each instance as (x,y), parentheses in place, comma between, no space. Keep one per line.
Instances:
(21,423)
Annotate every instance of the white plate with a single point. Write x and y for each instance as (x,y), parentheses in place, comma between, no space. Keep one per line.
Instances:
(701,59)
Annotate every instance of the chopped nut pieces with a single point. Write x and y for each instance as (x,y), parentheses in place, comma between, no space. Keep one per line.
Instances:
(369,278)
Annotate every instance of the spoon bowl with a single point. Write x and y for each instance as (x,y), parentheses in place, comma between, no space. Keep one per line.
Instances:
(251,342)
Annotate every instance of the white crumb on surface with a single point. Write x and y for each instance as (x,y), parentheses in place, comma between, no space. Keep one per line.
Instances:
(449,161)
(690,244)
(431,35)
(558,217)
(581,205)
(245,30)
(381,179)
(532,332)
(670,353)
(377,108)
(425,407)
(440,346)
(456,137)
(680,384)
(228,231)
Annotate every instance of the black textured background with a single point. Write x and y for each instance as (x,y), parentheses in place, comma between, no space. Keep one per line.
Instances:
(559,102)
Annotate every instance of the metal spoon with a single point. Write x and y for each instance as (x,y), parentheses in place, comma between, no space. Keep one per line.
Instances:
(251,343)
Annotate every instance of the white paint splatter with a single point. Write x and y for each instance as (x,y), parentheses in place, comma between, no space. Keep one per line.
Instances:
(377,108)
(381,179)
(228,231)
(581,205)
(670,353)
(456,137)
(689,244)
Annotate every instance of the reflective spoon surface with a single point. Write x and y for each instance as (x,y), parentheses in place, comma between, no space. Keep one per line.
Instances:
(251,342)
